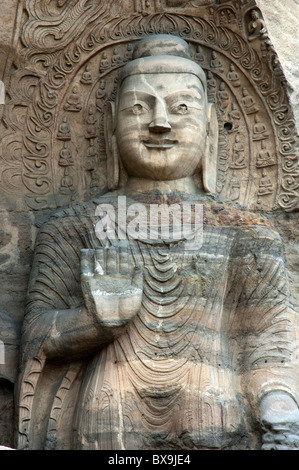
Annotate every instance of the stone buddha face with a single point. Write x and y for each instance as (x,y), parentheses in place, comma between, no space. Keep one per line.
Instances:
(161,125)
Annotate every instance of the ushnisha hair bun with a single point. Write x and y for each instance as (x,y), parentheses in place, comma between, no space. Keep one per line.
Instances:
(162,53)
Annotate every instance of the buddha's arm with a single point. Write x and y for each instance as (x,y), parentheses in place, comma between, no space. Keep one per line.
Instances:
(110,302)
(72,308)
(264,328)
(80,331)
(268,329)
(74,333)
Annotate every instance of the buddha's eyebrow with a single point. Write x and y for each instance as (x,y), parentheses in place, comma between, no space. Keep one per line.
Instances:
(138,94)
(146,96)
(187,95)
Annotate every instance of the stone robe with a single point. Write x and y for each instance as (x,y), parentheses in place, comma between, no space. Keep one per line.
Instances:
(213,335)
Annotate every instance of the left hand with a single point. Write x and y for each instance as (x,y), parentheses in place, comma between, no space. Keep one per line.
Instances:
(279,418)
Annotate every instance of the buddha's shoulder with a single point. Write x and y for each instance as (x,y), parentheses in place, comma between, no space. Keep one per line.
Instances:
(215,214)
(79,211)
(247,226)
(74,217)
(240,219)
(233,215)
(77,218)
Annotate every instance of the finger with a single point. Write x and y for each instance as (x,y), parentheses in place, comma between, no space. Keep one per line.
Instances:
(269,446)
(292,439)
(87,262)
(268,437)
(283,447)
(112,265)
(124,261)
(99,261)
(137,280)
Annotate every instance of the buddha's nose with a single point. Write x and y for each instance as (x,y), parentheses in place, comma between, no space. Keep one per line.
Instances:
(160,120)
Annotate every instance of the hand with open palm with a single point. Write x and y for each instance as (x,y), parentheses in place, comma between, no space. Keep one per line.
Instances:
(111,285)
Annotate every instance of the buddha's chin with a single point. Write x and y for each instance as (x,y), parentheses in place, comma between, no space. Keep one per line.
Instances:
(160,173)
(161,165)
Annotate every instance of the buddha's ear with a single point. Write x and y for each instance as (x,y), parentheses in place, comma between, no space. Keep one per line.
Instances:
(111,147)
(209,164)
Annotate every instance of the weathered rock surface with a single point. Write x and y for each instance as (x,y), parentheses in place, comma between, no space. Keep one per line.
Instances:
(46,164)
(282,21)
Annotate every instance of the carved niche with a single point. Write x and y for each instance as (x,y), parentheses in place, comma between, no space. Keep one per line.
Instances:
(52,139)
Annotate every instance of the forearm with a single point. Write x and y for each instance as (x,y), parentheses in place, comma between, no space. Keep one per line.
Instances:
(266,379)
(75,333)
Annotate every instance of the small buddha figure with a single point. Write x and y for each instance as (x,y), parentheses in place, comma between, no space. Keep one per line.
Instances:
(66,184)
(73,102)
(64,130)
(264,157)
(65,156)
(256,27)
(101,95)
(92,151)
(212,84)
(211,13)
(86,78)
(248,102)
(265,185)
(199,57)
(133,342)
(104,62)
(223,18)
(238,153)
(94,181)
(116,58)
(91,156)
(216,63)
(129,52)
(260,131)
(101,92)
(276,68)
(220,181)
(234,117)
(233,76)
(91,127)
(223,97)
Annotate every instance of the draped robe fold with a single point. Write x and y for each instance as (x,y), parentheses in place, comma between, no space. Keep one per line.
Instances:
(213,334)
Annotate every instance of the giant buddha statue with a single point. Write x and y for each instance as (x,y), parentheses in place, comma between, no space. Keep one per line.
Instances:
(134,342)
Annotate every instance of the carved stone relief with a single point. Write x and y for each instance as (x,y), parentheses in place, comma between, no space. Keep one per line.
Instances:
(151,342)
(52,139)
(65,78)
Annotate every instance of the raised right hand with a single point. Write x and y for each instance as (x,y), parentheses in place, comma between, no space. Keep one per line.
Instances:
(111,285)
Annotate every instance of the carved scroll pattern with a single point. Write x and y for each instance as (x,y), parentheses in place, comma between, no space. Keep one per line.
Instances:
(72,70)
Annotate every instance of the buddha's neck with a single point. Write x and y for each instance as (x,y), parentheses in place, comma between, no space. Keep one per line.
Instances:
(141,185)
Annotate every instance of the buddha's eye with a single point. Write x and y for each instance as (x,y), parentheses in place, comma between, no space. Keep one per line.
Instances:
(138,108)
(181,108)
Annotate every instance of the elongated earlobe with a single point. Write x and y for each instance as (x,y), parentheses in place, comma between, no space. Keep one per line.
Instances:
(111,148)
(209,163)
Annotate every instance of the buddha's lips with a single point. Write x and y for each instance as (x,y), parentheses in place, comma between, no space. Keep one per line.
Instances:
(160,144)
